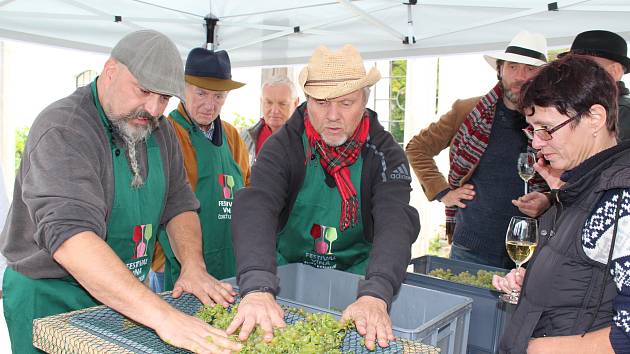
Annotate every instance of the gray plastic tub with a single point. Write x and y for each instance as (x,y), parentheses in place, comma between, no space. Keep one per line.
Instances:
(489,314)
(432,317)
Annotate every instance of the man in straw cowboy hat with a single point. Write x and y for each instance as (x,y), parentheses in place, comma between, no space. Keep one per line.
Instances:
(331,190)
(216,162)
(485,138)
(101,171)
(610,51)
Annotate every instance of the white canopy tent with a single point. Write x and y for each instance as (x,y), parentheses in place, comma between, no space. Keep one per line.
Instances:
(281,32)
(285,32)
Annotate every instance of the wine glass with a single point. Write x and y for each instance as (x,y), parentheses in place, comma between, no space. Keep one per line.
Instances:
(526,162)
(520,240)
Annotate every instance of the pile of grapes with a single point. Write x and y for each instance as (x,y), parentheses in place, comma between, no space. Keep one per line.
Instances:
(313,333)
(483,279)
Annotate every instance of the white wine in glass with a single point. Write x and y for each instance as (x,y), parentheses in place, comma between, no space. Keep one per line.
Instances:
(520,241)
(525,165)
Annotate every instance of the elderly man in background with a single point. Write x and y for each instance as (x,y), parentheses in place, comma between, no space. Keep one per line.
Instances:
(485,138)
(610,51)
(101,171)
(215,159)
(332,164)
(278,101)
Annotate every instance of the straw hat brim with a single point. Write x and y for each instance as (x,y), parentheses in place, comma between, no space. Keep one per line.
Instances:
(214,84)
(323,90)
(514,58)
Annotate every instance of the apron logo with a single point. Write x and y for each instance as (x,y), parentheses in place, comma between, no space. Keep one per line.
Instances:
(141,236)
(320,235)
(227,182)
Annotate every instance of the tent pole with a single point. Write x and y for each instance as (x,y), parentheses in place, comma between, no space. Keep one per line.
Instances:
(211,32)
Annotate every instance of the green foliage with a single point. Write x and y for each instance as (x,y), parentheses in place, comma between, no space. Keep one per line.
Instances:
(242,122)
(317,333)
(552,54)
(398,73)
(483,279)
(20,142)
(438,246)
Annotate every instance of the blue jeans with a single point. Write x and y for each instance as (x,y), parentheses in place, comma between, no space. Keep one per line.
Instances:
(461,253)
(156,281)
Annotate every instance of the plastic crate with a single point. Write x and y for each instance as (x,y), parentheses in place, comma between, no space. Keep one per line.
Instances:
(489,314)
(425,315)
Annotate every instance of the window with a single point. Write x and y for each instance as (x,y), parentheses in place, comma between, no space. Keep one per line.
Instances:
(388,97)
(85,78)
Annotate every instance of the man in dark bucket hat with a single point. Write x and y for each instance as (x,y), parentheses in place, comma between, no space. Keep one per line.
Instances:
(101,172)
(216,161)
(610,51)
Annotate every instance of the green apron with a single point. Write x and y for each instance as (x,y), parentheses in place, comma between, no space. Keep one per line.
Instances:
(131,231)
(308,236)
(218,178)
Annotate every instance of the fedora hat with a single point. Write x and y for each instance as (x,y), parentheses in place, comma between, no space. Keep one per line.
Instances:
(329,75)
(603,44)
(525,48)
(210,70)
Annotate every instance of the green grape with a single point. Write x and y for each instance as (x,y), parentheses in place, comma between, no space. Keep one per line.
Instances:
(482,279)
(316,333)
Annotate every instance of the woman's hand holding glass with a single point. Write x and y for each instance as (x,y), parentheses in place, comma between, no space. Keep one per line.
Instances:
(511,281)
(521,240)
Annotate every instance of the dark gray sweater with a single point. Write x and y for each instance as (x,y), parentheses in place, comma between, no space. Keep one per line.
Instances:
(66,185)
(262,209)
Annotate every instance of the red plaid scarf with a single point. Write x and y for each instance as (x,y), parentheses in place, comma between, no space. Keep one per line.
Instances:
(335,160)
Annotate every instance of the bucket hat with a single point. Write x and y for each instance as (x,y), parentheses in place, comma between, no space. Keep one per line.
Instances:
(210,70)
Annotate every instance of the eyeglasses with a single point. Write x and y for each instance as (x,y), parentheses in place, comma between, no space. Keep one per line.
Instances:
(545,133)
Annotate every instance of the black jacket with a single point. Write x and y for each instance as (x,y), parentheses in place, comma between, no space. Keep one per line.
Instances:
(623,122)
(261,210)
(564,291)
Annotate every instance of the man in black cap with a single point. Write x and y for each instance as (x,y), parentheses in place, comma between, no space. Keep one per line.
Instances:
(101,171)
(216,161)
(610,51)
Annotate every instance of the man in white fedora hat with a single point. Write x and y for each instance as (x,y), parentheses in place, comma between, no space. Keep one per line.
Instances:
(485,138)
(331,190)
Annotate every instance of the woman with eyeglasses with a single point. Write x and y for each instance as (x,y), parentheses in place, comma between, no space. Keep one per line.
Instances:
(575,294)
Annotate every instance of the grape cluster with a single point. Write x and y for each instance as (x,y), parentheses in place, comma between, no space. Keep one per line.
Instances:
(483,279)
(315,333)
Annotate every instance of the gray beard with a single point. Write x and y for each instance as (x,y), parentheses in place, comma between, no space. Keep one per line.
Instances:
(507,94)
(511,97)
(132,136)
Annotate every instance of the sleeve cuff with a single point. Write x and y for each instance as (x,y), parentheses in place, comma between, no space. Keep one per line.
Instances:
(258,280)
(378,287)
(441,195)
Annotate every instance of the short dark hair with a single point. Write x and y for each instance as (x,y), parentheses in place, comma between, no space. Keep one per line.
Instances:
(572,85)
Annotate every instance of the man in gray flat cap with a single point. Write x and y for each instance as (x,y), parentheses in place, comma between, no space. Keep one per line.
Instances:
(101,171)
